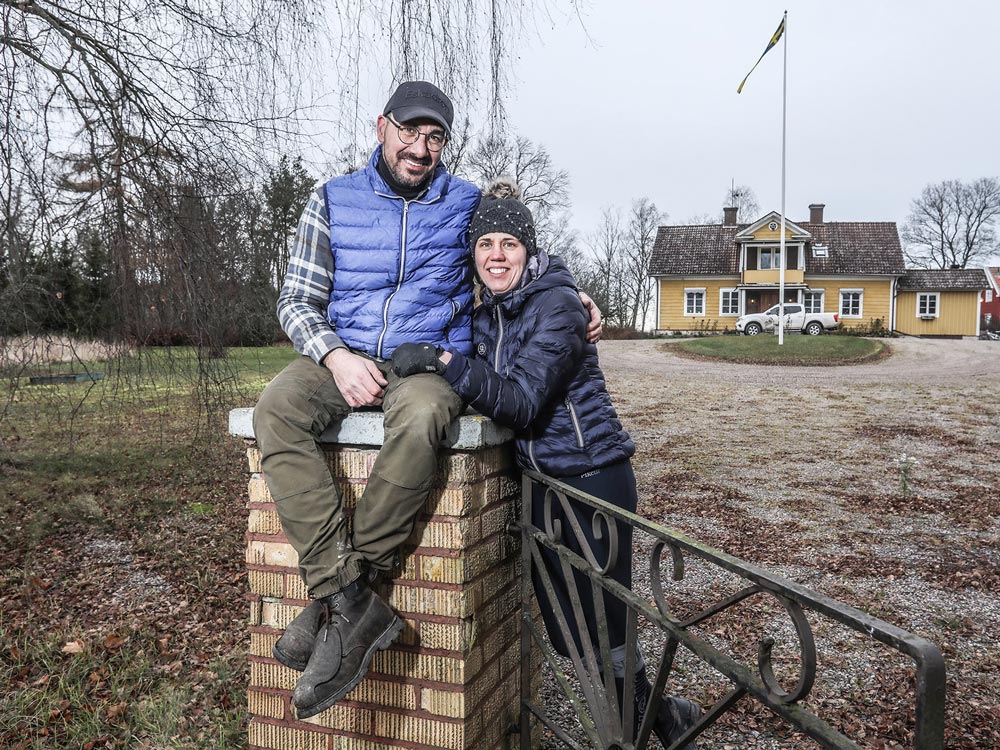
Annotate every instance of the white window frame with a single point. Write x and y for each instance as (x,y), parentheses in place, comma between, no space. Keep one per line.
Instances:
(861,303)
(734,302)
(821,251)
(694,290)
(937,304)
(773,253)
(989,295)
(822,300)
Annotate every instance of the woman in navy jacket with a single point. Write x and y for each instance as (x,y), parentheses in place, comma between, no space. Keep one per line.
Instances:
(534,372)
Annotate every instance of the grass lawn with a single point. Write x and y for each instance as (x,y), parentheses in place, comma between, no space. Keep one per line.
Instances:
(796,350)
(122,583)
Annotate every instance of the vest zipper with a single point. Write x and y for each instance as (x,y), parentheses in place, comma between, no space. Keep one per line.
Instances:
(576,423)
(399,282)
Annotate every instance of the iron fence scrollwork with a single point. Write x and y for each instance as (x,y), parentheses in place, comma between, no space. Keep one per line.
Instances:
(591,691)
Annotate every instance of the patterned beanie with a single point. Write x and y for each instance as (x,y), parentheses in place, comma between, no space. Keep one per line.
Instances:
(501,211)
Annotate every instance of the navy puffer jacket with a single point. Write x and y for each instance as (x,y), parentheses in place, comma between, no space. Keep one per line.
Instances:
(535,373)
(401,267)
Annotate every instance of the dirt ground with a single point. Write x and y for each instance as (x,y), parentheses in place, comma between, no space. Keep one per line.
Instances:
(802,470)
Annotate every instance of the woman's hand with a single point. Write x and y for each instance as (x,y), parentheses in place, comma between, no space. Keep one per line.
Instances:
(411,359)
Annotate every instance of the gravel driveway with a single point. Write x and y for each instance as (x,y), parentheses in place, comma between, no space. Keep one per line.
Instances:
(797,469)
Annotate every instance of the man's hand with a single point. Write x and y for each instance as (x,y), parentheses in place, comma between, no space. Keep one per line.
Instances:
(410,359)
(594,329)
(360,381)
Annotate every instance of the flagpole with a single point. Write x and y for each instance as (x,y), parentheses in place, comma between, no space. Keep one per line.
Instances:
(781,251)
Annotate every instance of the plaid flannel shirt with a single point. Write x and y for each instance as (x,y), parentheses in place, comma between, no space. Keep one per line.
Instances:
(305,292)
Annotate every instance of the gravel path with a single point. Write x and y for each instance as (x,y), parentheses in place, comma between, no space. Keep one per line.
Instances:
(797,469)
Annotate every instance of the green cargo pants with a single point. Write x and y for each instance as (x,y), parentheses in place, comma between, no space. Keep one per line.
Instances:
(293,411)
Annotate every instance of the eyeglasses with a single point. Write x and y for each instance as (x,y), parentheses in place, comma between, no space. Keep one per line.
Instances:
(409,135)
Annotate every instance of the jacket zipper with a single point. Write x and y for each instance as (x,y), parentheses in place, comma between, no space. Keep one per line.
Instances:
(496,355)
(399,282)
(531,451)
(576,424)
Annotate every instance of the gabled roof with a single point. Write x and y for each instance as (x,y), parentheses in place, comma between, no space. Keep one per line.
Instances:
(790,227)
(944,280)
(993,276)
(854,247)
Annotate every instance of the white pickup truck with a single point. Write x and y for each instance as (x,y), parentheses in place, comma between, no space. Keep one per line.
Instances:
(796,319)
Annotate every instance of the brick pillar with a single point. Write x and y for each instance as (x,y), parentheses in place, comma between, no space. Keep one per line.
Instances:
(452,679)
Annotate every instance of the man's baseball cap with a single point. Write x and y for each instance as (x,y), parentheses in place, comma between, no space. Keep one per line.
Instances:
(416,99)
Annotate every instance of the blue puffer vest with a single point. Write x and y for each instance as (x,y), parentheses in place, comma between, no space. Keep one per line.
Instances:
(401,267)
(534,372)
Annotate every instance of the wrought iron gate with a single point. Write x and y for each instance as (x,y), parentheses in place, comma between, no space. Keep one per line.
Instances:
(603,723)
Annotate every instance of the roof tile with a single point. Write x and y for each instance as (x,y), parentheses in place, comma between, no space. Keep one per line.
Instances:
(956,278)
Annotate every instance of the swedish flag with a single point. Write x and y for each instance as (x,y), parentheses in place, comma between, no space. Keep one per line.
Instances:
(774,41)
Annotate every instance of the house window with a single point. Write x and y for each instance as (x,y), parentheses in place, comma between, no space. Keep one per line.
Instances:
(729,302)
(820,251)
(813,301)
(989,295)
(769,258)
(928,305)
(851,302)
(694,301)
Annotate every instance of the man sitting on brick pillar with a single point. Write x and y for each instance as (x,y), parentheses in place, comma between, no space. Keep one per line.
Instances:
(380,258)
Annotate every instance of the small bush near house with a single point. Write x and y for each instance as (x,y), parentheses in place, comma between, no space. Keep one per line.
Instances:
(872,327)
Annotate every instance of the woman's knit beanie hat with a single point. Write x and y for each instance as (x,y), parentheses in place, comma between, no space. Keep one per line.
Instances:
(501,211)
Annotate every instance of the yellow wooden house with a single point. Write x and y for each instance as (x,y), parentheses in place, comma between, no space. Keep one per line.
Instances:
(710,274)
(941,303)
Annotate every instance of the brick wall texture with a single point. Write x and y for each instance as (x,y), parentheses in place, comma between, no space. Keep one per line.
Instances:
(451,680)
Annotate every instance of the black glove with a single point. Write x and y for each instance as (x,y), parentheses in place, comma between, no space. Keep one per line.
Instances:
(410,359)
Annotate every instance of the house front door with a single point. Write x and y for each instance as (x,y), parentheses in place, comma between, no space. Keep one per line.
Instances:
(759,300)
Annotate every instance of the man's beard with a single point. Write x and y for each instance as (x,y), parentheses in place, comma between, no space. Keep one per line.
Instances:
(406,179)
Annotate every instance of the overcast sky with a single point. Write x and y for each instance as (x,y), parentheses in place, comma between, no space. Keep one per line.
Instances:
(883,98)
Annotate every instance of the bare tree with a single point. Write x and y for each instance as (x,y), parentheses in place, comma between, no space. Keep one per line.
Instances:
(544,187)
(644,219)
(607,284)
(951,224)
(149,124)
(105,100)
(743,199)
(701,219)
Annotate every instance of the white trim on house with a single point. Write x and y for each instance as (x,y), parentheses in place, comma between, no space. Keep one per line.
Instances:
(928,314)
(798,233)
(893,303)
(733,292)
(684,301)
(861,303)
(822,299)
(994,284)
(979,310)
(659,294)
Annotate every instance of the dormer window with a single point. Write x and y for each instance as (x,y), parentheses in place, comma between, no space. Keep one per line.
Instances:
(820,251)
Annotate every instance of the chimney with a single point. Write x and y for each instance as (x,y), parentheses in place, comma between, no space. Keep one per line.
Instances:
(729,216)
(816,213)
